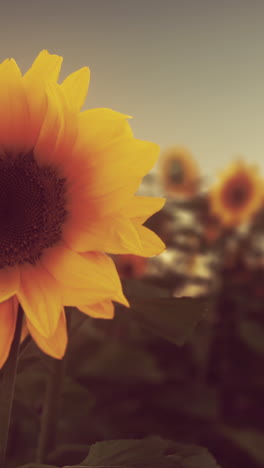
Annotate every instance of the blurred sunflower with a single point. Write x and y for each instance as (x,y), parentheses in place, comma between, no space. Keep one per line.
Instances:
(67,184)
(237,195)
(179,172)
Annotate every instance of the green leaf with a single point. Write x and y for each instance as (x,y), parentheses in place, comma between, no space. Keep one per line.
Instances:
(252,334)
(117,361)
(128,453)
(141,290)
(68,453)
(37,465)
(249,441)
(197,401)
(173,319)
(28,355)
(203,459)
(147,453)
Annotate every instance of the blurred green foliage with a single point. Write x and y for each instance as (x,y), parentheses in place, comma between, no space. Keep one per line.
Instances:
(181,371)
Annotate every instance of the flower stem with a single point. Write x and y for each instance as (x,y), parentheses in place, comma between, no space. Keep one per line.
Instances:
(51,407)
(50,414)
(8,388)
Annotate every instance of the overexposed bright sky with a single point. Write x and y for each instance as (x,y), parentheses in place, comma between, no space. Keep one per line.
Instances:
(191,72)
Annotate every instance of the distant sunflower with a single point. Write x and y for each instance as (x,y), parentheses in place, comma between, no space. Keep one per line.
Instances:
(179,172)
(67,184)
(237,195)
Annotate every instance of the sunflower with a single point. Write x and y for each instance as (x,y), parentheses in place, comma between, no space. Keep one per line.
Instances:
(237,195)
(179,172)
(67,185)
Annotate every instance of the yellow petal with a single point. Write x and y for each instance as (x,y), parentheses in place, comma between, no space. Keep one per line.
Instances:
(118,169)
(104,310)
(112,235)
(9,282)
(40,298)
(100,115)
(100,127)
(8,316)
(85,279)
(141,208)
(15,133)
(119,164)
(75,297)
(132,154)
(107,264)
(56,344)
(68,128)
(115,235)
(75,87)
(109,176)
(151,244)
(45,68)
(52,128)
(102,205)
(59,130)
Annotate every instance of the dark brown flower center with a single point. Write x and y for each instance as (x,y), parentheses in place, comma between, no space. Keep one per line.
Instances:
(237,192)
(238,196)
(32,209)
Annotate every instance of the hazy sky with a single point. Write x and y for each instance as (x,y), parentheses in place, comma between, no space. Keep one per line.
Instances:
(190,71)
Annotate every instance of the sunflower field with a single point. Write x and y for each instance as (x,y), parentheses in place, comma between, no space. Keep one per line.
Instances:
(131,311)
